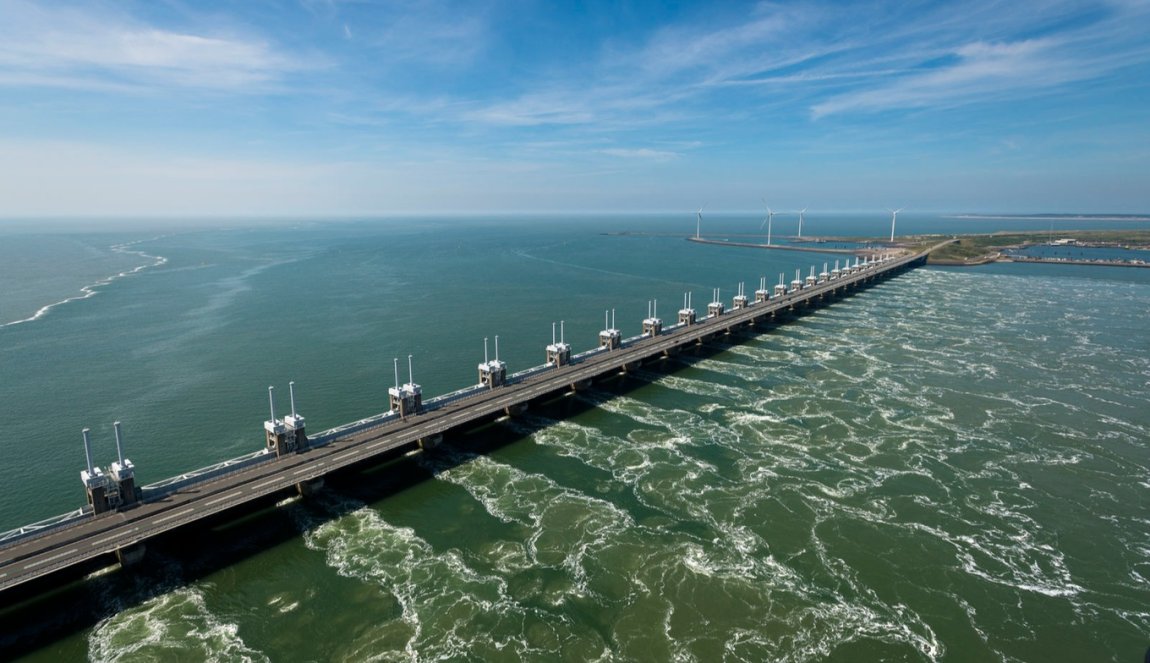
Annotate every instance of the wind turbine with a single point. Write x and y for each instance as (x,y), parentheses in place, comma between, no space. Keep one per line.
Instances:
(699,221)
(893,218)
(767,221)
(801,222)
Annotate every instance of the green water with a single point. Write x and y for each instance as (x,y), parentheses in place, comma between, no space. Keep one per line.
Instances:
(953,465)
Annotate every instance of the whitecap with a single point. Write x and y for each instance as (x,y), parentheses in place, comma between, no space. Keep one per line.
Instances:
(175,624)
(92,289)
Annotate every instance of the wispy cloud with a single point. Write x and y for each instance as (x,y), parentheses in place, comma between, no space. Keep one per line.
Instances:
(644,153)
(836,61)
(944,68)
(719,50)
(535,109)
(73,47)
(794,92)
(981,71)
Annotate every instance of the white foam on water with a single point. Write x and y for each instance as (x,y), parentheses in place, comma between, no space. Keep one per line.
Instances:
(755,374)
(735,557)
(688,425)
(655,464)
(1023,565)
(289,607)
(92,289)
(564,526)
(762,350)
(794,617)
(177,624)
(916,433)
(448,609)
(696,387)
(818,632)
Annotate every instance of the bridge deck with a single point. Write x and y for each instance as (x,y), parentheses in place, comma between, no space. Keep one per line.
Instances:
(90,537)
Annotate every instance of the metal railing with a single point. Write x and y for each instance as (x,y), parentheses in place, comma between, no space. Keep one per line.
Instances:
(41,527)
(172,484)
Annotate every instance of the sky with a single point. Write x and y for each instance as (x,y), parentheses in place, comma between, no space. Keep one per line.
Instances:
(353,107)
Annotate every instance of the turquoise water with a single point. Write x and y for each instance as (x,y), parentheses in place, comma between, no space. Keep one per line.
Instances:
(1084,253)
(953,465)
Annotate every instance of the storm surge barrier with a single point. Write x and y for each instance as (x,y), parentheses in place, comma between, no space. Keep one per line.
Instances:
(120,516)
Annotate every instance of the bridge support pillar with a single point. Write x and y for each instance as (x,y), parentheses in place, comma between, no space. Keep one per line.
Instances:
(581,385)
(431,441)
(129,556)
(515,410)
(309,488)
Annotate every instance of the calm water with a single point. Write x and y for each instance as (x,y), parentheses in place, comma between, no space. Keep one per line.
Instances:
(954,465)
(1084,253)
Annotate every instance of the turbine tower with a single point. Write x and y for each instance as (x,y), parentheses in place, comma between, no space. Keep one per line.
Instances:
(699,221)
(801,222)
(893,218)
(767,221)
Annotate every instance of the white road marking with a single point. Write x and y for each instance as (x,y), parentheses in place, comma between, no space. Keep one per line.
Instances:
(230,496)
(177,514)
(106,539)
(265,483)
(51,559)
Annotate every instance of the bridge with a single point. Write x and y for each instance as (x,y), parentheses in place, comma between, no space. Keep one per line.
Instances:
(293,461)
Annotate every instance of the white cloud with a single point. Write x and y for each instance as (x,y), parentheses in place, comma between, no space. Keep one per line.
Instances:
(983,72)
(722,48)
(987,59)
(68,47)
(534,109)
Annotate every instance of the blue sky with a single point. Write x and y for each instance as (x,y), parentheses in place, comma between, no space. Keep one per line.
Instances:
(314,107)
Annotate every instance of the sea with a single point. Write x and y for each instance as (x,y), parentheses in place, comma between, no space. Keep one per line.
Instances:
(953,465)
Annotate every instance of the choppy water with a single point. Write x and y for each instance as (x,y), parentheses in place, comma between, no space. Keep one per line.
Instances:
(954,465)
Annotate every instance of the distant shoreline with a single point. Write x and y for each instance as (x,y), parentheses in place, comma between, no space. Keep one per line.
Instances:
(984,248)
(1097,262)
(1050,217)
(785,247)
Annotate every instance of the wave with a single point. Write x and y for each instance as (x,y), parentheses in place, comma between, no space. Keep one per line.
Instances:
(92,289)
(565,526)
(447,609)
(175,625)
(711,550)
